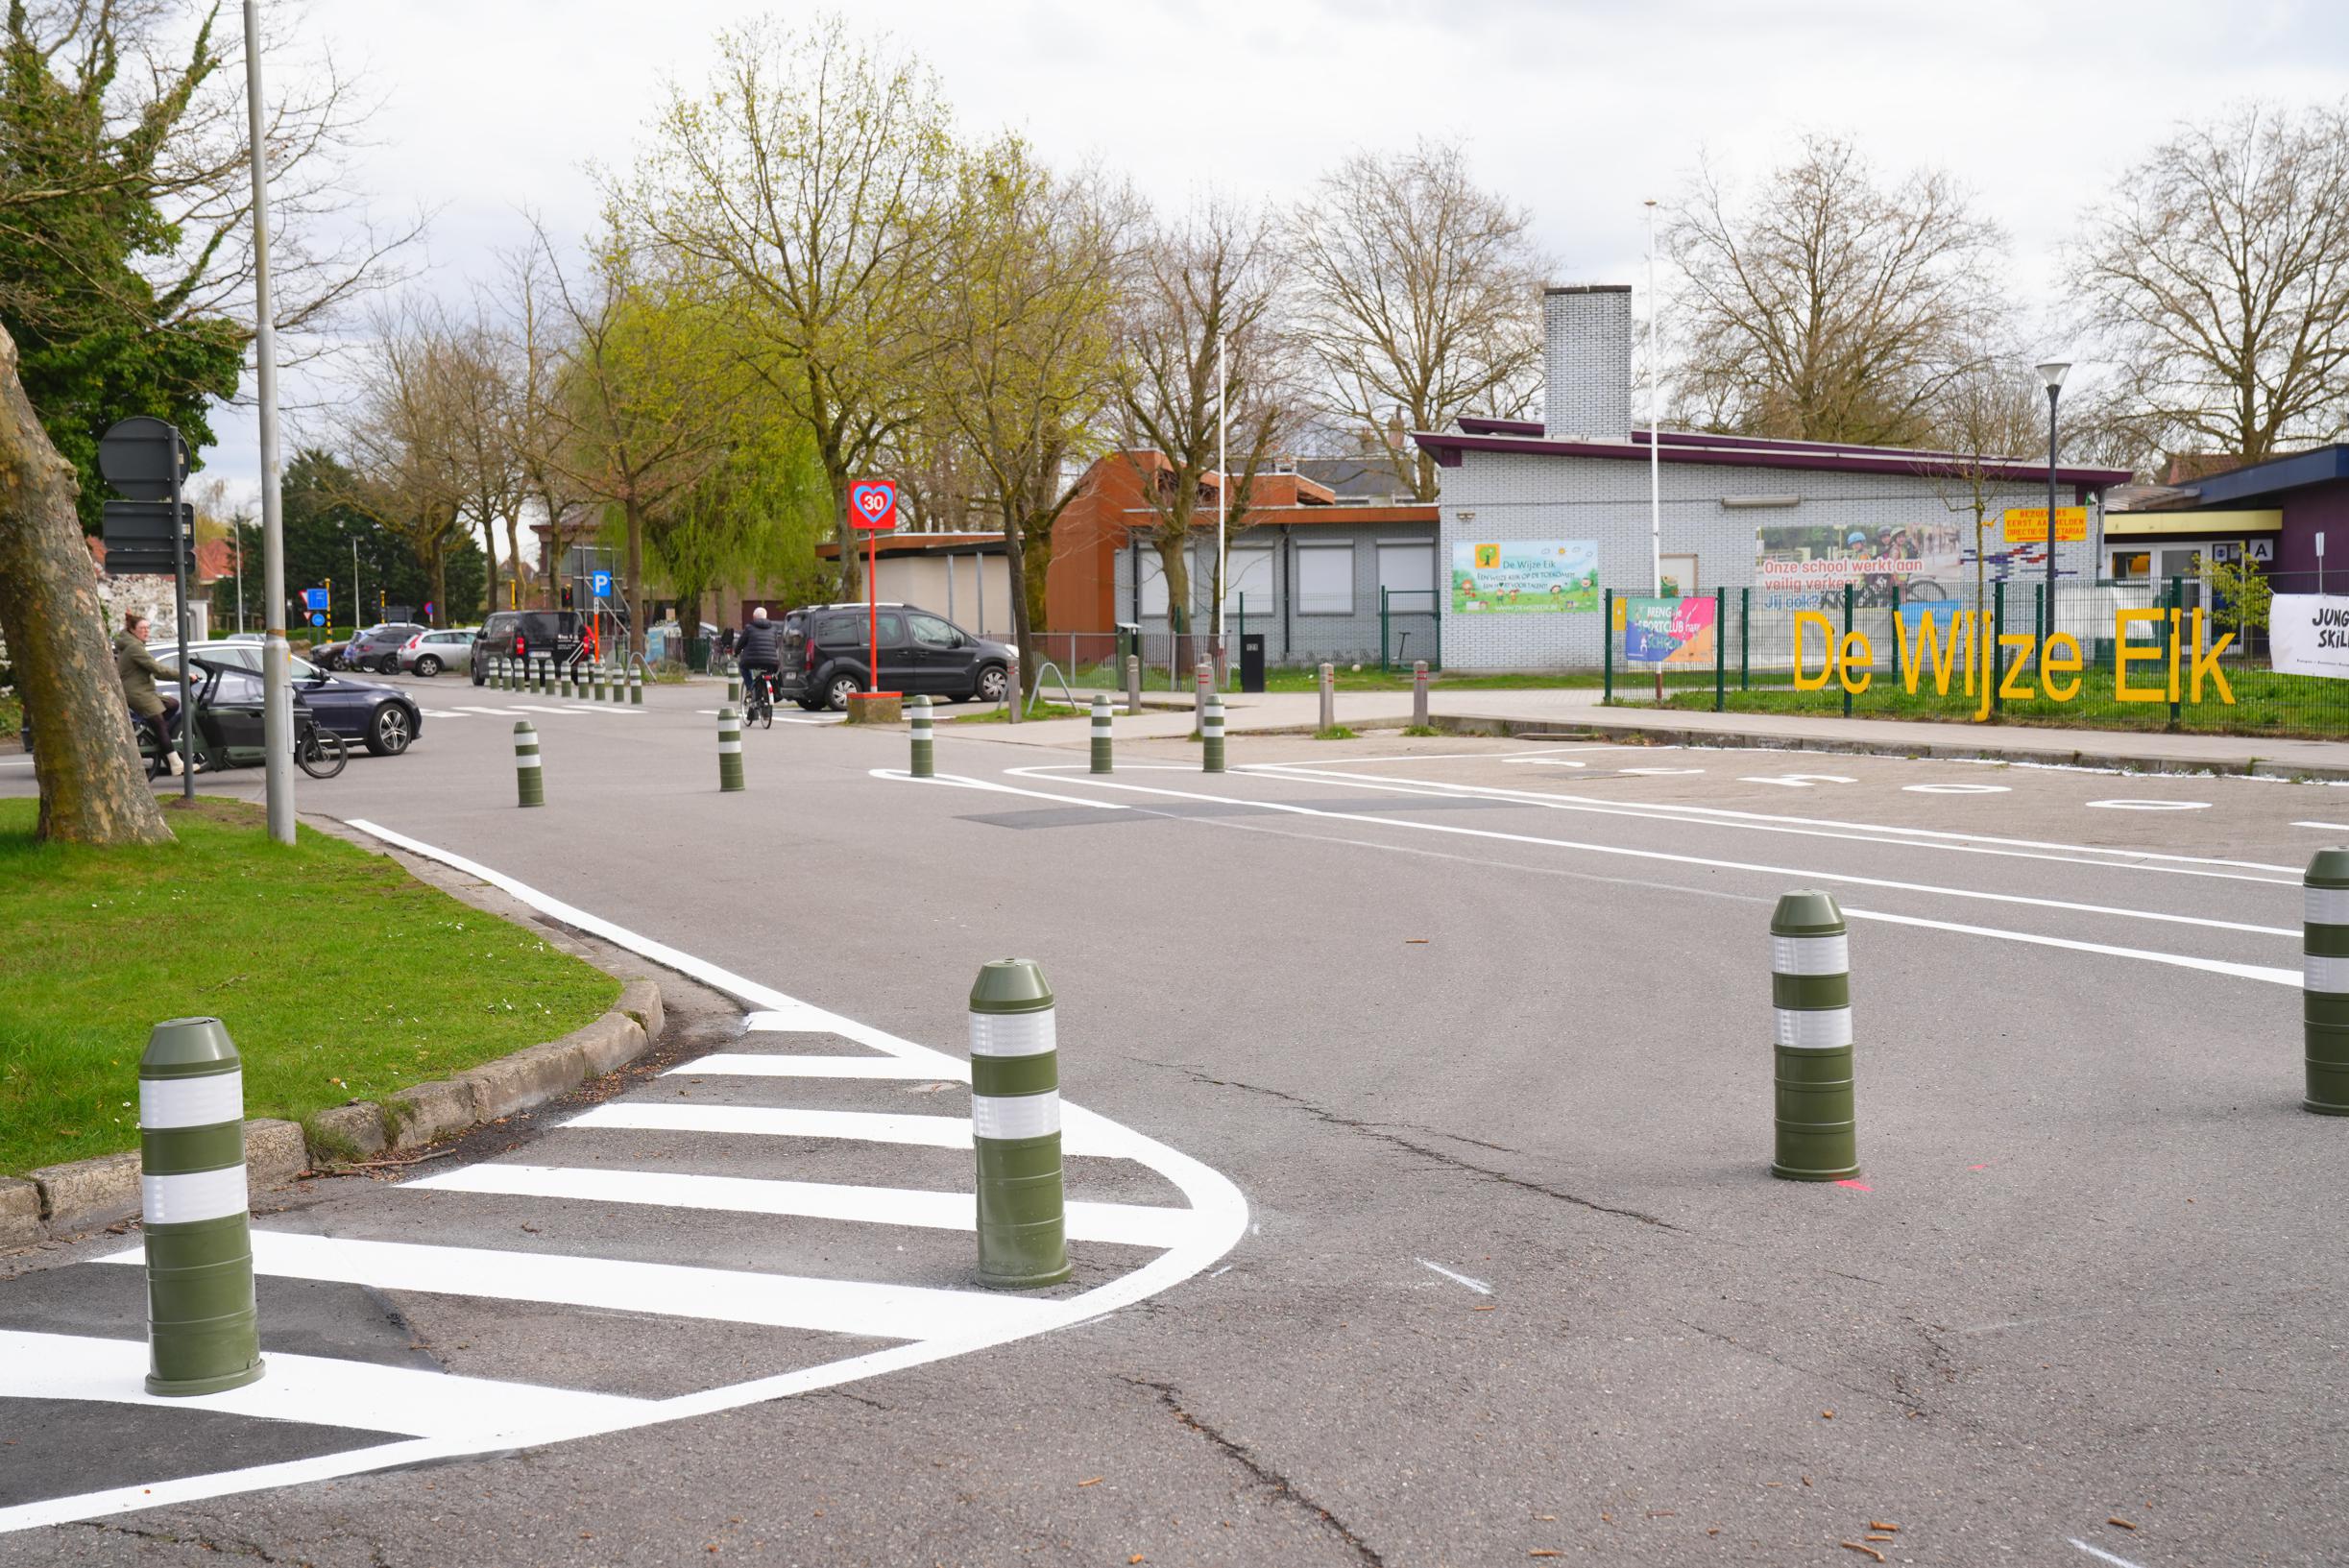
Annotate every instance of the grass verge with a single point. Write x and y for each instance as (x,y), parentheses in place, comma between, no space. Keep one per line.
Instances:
(339,976)
(1036,715)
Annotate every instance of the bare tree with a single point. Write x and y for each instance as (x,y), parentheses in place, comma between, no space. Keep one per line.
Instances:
(1024,373)
(1217,277)
(1830,307)
(812,176)
(2217,281)
(402,436)
(92,789)
(529,306)
(1989,418)
(1420,294)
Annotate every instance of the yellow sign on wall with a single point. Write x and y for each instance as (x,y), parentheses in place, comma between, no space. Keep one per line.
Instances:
(2028,524)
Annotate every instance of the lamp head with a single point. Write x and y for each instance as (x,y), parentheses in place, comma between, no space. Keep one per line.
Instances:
(2051,374)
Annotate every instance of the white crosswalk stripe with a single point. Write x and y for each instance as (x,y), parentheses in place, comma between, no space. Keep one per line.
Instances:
(784,1121)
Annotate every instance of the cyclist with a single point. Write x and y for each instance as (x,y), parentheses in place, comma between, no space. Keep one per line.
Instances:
(139,670)
(759,652)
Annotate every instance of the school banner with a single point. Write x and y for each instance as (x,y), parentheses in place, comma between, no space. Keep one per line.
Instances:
(2307,634)
(1807,566)
(1668,631)
(1539,575)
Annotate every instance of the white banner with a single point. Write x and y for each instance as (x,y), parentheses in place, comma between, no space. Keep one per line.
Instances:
(2307,634)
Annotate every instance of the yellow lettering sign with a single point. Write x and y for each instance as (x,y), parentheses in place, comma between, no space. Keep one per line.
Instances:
(2062,657)
(1804,620)
(2124,655)
(1866,657)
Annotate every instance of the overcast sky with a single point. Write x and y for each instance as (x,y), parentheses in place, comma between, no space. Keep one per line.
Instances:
(1577,109)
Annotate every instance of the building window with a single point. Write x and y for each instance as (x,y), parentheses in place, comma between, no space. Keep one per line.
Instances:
(2132,566)
(1153,583)
(1407,576)
(1325,579)
(1248,572)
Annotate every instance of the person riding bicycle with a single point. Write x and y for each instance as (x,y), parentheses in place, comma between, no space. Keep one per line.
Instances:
(761,650)
(139,670)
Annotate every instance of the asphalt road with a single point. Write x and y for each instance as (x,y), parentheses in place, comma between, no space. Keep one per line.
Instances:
(1479,1032)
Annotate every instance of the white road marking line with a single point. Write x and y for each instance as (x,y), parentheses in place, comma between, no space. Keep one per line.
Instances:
(1957,790)
(1476,1284)
(494,713)
(1130,1225)
(1796,781)
(2100,1553)
(2328,827)
(412,1401)
(723,1064)
(1628,853)
(2186,865)
(1544,762)
(960,781)
(765,1122)
(1657,772)
(446,713)
(2148,806)
(1223,1220)
(2180,960)
(725,1295)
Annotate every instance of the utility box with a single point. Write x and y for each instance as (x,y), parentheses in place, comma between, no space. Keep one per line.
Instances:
(1130,641)
(1251,662)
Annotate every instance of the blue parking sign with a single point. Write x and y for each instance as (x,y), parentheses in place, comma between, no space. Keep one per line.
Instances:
(314,598)
(600,584)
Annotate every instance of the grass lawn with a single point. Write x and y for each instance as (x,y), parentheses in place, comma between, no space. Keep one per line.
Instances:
(338,975)
(1038,715)
(1369,678)
(2286,707)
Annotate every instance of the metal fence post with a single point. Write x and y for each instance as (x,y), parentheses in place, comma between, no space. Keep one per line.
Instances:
(1418,695)
(1721,647)
(1211,735)
(1382,628)
(924,738)
(529,783)
(202,1332)
(2324,981)
(1015,1127)
(1134,685)
(729,750)
(1102,763)
(1606,646)
(1745,640)
(1810,997)
(1329,697)
(2174,621)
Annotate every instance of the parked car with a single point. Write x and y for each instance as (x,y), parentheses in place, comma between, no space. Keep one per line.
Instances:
(428,653)
(383,718)
(330,655)
(377,647)
(527,634)
(826,656)
(228,712)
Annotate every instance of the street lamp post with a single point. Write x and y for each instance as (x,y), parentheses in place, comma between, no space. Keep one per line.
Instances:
(2051,374)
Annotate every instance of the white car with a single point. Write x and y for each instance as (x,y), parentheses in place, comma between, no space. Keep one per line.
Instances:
(428,653)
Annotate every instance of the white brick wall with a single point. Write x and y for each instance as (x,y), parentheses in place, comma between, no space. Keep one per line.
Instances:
(1587,336)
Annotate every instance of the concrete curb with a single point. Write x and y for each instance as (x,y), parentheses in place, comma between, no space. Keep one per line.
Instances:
(1584,727)
(59,1201)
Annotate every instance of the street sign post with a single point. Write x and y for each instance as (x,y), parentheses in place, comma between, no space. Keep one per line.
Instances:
(144,460)
(872,509)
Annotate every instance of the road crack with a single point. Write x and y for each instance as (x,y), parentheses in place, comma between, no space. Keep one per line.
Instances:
(1385,1132)
(1264,1475)
(205,1543)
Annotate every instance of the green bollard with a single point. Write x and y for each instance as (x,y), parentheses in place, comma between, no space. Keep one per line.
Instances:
(1211,735)
(620,682)
(636,685)
(1102,760)
(734,682)
(202,1333)
(563,680)
(1810,995)
(547,676)
(497,673)
(596,680)
(925,741)
(1015,1127)
(729,750)
(531,787)
(2324,981)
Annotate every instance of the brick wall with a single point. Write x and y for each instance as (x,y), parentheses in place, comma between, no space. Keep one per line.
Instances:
(1587,354)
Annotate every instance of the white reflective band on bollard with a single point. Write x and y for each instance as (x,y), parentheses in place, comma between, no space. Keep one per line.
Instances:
(1013,1035)
(2330,975)
(1822,1030)
(726,746)
(1015,1116)
(2325,905)
(183,1201)
(191,1102)
(526,759)
(1810,954)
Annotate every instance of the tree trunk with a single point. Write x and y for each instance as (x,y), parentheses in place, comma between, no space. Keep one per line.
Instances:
(1174,561)
(634,512)
(92,788)
(1022,615)
(489,540)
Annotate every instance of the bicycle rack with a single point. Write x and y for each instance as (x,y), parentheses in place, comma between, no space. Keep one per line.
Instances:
(1038,692)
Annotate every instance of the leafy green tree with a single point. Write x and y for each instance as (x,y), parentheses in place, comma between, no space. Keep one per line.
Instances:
(2244,599)
(755,520)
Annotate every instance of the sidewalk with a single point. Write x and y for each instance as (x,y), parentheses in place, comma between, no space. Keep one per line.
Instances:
(1577,712)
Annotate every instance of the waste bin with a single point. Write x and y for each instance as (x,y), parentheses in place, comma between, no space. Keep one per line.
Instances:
(1251,662)
(697,655)
(1129,643)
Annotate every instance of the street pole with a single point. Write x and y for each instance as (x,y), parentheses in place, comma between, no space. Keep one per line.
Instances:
(2052,375)
(277,669)
(179,573)
(1656,490)
(1223,501)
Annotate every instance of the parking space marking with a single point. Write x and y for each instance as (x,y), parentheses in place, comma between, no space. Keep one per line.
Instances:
(411,1401)
(1130,1225)
(2216,966)
(2327,827)
(1658,772)
(791,1122)
(2148,806)
(1476,1284)
(1957,790)
(2100,1553)
(1796,781)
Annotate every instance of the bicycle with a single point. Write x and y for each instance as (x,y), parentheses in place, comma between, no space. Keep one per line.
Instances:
(759,698)
(317,752)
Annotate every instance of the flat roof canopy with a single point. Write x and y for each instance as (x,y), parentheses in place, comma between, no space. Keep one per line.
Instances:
(2148,524)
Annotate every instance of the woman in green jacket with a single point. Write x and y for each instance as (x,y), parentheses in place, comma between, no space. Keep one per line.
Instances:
(139,670)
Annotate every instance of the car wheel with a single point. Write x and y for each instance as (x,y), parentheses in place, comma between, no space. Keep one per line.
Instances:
(992,682)
(390,731)
(480,679)
(806,706)
(427,667)
(838,690)
(388,665)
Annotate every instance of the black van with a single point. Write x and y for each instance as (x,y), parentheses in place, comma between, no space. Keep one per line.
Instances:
(542,631)
(826,656)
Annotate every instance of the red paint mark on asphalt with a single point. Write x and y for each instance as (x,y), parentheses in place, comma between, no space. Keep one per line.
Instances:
(1856,1186)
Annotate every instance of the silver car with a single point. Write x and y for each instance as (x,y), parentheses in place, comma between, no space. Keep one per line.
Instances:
(428,653)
